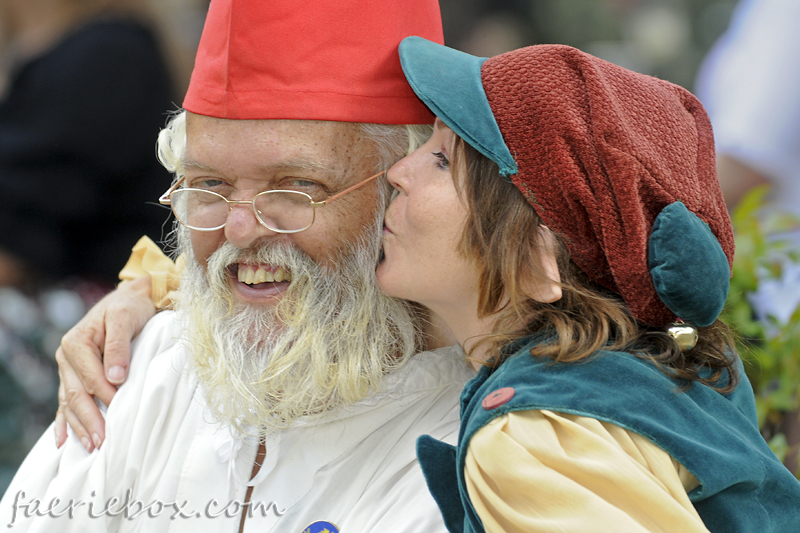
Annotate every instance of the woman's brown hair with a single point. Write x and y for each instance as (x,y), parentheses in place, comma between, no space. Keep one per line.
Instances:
(503,235)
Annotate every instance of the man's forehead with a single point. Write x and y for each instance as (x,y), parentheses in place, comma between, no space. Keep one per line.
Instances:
(308,164)
(319,147)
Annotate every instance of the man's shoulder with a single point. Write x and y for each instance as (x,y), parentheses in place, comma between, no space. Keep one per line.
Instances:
(440,368)
(424,393)
(160,334)
(159,363)
(426,383)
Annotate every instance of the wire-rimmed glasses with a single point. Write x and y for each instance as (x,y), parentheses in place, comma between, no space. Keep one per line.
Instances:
(281,211)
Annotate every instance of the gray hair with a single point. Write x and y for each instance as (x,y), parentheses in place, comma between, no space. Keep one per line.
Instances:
(393,141)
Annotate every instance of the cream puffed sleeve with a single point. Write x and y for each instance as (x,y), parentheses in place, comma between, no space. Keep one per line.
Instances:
(147,258)
(541,471)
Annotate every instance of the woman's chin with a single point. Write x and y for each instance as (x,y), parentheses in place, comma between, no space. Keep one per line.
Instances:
(386,280)
(380,274)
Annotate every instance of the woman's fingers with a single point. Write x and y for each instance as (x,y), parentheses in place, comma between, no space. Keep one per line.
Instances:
(94,358)
(125,316)
(78,407)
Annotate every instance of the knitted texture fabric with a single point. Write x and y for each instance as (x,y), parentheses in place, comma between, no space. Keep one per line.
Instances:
(601,151)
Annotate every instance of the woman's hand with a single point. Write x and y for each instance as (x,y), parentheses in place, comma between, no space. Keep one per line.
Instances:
(94,358)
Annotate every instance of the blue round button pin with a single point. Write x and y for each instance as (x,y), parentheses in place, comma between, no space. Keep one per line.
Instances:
(321,527)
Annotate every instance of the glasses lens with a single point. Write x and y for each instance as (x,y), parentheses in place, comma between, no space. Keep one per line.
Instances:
(199,209)
(285,211)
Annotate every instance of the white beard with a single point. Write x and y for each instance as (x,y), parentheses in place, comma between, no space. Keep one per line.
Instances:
(329,341)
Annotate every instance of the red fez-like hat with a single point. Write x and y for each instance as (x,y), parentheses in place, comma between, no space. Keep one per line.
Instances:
(322,60)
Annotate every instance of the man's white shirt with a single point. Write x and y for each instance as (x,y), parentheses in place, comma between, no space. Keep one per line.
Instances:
(166,465)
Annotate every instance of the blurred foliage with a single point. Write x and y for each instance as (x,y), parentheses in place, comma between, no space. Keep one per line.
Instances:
(770,349)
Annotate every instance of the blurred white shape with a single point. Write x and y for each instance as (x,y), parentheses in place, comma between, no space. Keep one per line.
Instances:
(750,85)
(18,312)
(778,298)
(63,308)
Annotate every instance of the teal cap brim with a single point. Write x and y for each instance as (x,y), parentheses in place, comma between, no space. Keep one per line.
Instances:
(449,83)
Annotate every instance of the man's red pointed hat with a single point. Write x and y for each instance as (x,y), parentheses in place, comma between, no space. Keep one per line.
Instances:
(322,60)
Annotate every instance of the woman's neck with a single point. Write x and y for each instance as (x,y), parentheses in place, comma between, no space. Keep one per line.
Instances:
(469,329)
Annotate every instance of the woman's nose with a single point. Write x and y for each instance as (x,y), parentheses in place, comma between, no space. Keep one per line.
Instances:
(398,174)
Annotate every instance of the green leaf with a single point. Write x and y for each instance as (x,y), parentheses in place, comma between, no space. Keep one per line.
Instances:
(779,446)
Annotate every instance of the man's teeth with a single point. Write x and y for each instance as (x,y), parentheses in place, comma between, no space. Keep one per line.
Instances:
(255,275)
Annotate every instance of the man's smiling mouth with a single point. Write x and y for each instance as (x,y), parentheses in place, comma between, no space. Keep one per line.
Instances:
(258,274)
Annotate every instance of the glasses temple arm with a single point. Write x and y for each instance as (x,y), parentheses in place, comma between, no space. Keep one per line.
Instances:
(164,198)
(352,188)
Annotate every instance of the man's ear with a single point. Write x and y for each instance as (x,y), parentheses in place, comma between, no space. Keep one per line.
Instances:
(543,284)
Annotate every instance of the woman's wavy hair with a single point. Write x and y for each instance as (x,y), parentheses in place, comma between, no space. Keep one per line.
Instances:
(502,234)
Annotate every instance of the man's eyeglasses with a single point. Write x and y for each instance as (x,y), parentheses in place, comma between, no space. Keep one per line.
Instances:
(278,210)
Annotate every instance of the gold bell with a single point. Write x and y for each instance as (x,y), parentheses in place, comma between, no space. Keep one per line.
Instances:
(684,334)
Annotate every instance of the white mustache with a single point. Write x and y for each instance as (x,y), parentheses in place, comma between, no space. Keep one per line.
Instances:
(278,254)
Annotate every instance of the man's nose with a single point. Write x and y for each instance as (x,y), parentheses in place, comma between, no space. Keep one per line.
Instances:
(243,229)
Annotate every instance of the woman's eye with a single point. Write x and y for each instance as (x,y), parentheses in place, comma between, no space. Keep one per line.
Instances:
(443,163)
